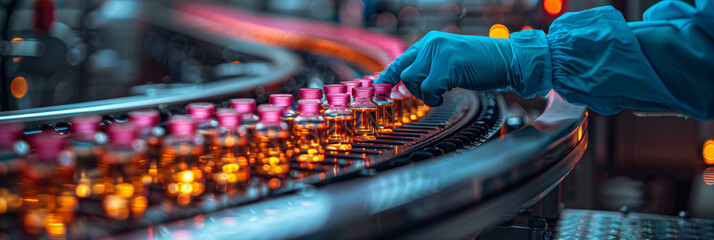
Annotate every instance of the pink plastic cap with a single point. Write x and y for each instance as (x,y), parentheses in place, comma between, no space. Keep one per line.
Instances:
(382,88)
(334,88)
(48,145)
(356,79)
(181,125)
(243,105)
(349,86)
(310,93)
(201,111)
(338,99)
(144,118)
(227,117)
(269,113)
(309,106)
(123,134)
(85,124)
(366,82)
(10,133)
(282,100)
(363,92)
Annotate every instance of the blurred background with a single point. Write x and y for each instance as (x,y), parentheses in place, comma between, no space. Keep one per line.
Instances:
(60,52)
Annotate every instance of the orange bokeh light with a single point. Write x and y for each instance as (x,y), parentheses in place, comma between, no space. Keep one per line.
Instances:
(499,31)
(708,152)
(527,28)
(553,7)
(18,87)
(274,183)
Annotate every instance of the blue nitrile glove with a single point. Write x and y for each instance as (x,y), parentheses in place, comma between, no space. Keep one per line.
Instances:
(442,61)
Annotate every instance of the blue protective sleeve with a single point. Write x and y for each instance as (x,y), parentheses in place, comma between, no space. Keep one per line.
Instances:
(597,59)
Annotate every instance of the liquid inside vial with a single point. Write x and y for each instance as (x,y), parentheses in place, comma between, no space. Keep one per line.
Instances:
(385,116)
(398,111)
(365,123)
(271,157)
(309,141)
(340,130)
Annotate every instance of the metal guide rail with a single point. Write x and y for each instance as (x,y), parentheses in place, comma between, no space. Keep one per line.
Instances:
(268,68)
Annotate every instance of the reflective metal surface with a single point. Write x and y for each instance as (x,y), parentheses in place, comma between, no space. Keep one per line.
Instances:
(283,65)
(589,224)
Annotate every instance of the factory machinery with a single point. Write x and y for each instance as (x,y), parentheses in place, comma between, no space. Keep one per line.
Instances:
(187,157)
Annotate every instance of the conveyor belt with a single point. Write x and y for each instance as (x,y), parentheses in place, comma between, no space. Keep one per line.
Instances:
(454,167)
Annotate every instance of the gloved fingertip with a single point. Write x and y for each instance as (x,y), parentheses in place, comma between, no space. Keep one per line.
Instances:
(387,77)
(434,102)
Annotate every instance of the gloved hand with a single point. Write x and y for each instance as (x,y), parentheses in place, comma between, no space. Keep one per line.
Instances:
(441,61)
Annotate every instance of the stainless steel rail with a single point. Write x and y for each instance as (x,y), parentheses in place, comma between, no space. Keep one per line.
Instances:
(284,65)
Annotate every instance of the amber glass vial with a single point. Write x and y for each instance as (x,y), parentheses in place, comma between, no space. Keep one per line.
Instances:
(365,113)
(340,122)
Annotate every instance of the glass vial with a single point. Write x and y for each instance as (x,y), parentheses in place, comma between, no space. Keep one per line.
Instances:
(246,108)
(231,167)
(365,113)
(125,194)
(398,106)
(285,101)
(179,160)
(147,122)
(309,132)
(271,153)
(340,122)
(87,145)
(385,110)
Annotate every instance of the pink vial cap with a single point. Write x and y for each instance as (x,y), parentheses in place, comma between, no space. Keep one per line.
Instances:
(181,125)
(123,134)
(85,124)
(382,88)
(228,117)
(201,110)
(10,133)
(338,99)
(335,88)
(309,106)
(349,86)
(282,100)
(363,92)
(269,113)
(243,105)
(366,82)
(310,93)
(145,118)
(48,145)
